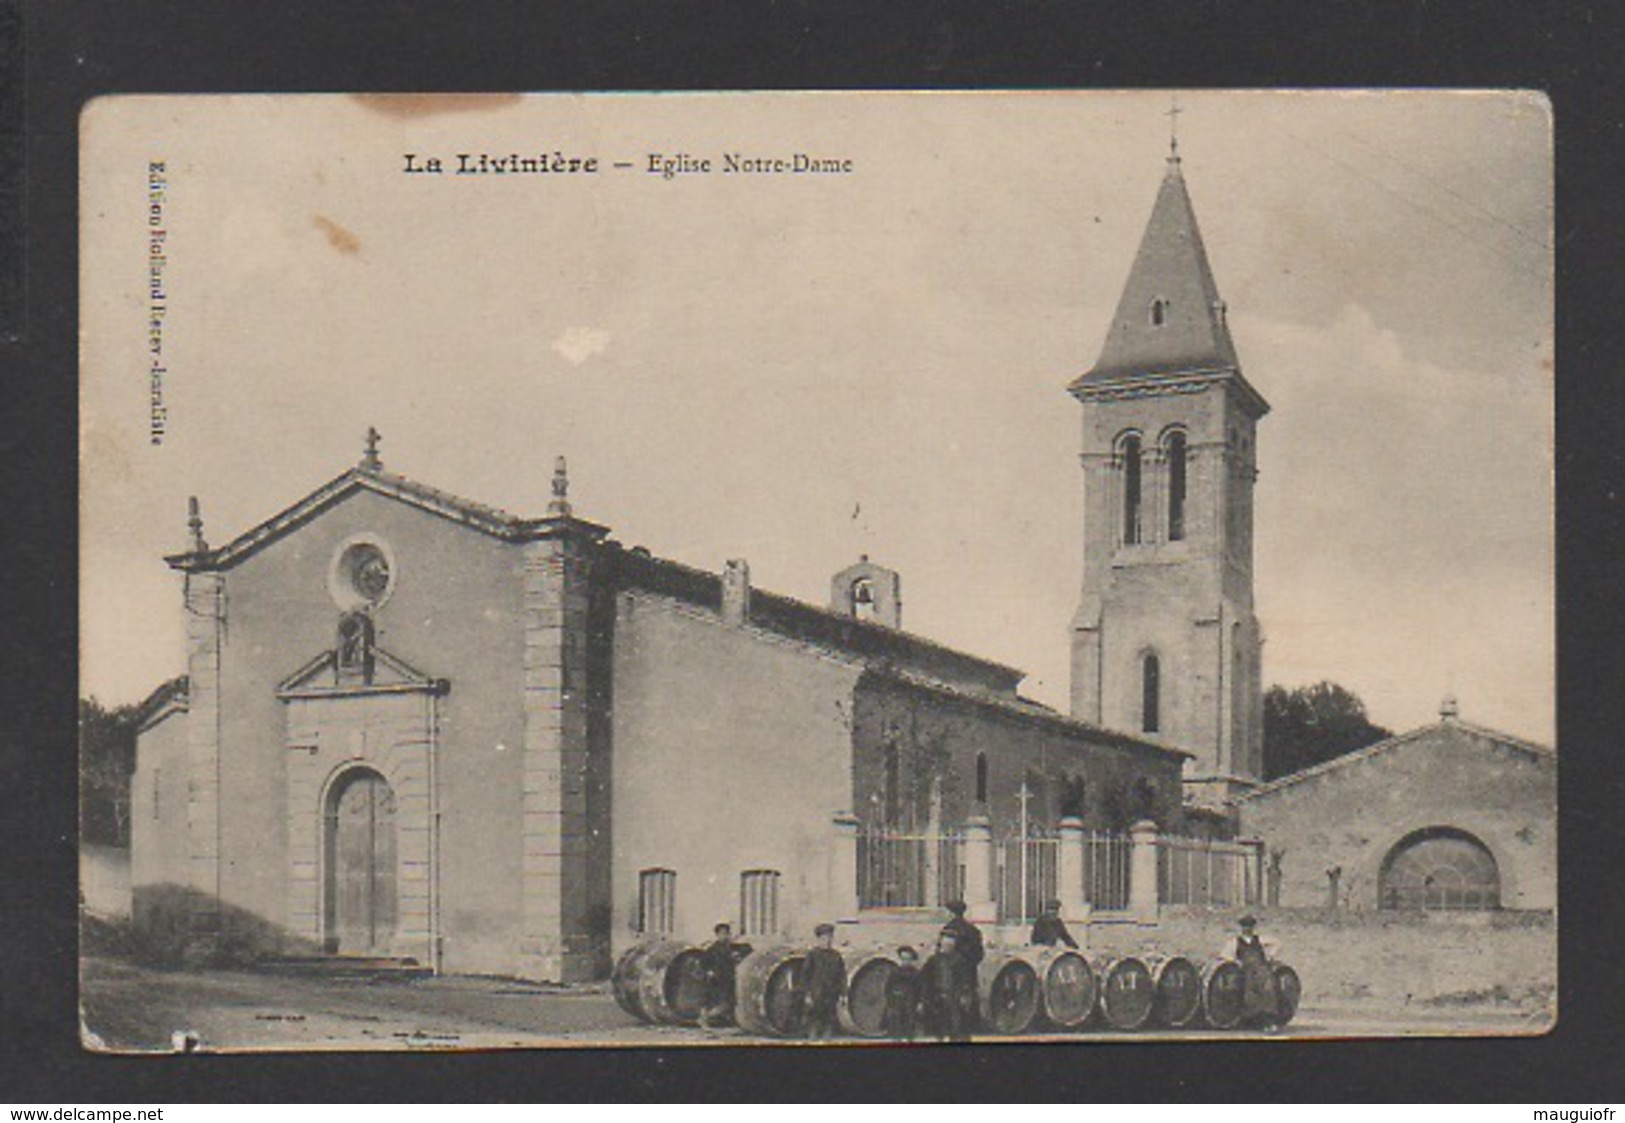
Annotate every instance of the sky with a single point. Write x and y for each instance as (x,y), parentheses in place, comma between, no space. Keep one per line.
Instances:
(795,369)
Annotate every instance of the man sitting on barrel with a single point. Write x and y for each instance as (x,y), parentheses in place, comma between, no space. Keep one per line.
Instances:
(721,961)
(1049,929)
(823,980)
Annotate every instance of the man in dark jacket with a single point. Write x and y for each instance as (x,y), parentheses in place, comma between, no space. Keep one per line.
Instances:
(1049,929)
(950,991)
(904,989)
(721,960)
(967,939)
(823,981)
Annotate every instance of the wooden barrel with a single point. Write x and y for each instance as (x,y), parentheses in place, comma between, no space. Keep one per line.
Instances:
(1008,987)
(1289,988)
(671,983)
(1127,993)
(1067,985)
(1224,986)
(1177,986)
(863,1007)
(769,992)
(625,981)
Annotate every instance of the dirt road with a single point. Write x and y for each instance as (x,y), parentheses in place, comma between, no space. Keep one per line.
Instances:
(134,1009)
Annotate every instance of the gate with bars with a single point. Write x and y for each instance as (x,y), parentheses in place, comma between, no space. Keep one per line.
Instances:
(1028,870)
(1200,871)
(902,869)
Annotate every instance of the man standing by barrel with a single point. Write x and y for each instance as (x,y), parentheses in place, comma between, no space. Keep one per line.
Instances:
(1049,929)
(1260,996)
(721,960)
(823,979)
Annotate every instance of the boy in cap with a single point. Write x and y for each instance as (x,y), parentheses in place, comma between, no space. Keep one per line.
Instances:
(903,996)
(823,980)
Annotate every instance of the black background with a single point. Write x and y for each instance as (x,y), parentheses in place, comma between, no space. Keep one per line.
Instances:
(76,49)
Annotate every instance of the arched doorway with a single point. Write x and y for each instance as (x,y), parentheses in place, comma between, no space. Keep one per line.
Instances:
(1440,869)
(361,906)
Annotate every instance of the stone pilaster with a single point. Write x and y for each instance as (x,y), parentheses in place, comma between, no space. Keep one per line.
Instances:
(556,941)
(205,595)
(1143,890)
(1069,870)
(980,907)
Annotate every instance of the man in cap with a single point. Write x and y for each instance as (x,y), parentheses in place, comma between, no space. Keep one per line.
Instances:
(1049,929)
(1260,995)
(823,981)
(720,959)
(967,939)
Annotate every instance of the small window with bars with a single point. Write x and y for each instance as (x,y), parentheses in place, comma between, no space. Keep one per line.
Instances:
(657,902)
(759,902)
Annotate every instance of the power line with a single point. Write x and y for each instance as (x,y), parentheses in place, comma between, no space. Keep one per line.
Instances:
(1409,202)
(1533,239)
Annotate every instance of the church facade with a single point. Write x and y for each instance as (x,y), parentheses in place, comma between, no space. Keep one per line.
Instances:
(417,727)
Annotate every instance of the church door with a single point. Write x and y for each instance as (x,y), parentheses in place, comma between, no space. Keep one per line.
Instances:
(361,866)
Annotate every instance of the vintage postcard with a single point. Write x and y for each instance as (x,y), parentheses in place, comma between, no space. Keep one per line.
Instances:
(652,569)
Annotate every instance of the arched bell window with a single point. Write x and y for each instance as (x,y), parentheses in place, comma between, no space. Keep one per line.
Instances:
(864,606)
(1132,488)
(1175,454)
(1159,312)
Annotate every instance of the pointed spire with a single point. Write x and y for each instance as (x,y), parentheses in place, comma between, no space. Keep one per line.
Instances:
(1169,318)
(370,461)
(561,489)
(194,525)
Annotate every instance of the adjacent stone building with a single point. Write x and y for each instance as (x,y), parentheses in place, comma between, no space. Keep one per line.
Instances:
(1447,818)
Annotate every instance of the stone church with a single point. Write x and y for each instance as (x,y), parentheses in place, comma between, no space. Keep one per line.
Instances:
(417,727)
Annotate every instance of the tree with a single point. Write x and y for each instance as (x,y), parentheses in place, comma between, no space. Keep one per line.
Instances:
(106,761)
(1307,725)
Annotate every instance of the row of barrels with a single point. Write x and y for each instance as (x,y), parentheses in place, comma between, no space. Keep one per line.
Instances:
(1019,988)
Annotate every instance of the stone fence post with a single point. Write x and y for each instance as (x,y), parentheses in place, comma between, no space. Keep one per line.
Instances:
(1142,871)
(979,904)
(843,881)
(1069,870)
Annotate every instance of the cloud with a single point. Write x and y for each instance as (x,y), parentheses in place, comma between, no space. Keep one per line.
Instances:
(579,344)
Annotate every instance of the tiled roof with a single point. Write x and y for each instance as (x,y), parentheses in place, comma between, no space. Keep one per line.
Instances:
(1023,709)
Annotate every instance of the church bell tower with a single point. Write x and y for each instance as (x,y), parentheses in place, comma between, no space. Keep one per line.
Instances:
(1165,644)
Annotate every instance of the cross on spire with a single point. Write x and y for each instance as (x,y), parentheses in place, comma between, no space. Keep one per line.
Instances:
(1172,113)
(370,461)
(194,525)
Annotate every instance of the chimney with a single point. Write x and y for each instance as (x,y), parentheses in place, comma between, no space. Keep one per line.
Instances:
(736,591)
(1449,709)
